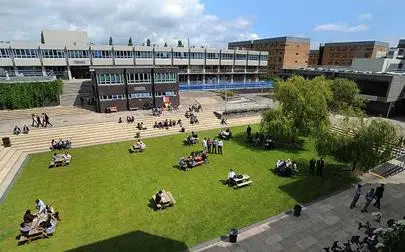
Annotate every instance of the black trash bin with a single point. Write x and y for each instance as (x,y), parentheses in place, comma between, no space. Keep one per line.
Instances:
(297,210)
(233,235)
(6,141)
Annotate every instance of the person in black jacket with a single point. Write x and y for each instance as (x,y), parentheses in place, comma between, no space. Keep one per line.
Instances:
(379,192)
(312,166)
(28,217)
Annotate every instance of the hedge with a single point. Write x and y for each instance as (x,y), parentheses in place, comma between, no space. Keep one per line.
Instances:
(21,95)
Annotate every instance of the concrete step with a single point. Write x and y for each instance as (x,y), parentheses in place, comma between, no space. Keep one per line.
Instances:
(11,174)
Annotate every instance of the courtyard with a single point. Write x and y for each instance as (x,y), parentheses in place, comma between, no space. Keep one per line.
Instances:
(103,196)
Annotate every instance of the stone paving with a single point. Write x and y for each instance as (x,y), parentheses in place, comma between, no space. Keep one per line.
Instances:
(320,223)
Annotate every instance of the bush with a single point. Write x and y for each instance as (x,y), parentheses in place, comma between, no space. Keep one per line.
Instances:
(227,93)
(29,94)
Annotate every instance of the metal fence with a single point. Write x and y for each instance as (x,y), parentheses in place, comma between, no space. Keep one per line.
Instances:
(225,85)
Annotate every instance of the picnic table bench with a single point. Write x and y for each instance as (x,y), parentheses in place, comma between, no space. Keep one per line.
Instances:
(240,182)
(167,200)
(35,232)
(60,160)
(132,149)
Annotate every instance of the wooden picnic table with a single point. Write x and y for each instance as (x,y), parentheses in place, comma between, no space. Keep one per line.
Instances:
(35,230)
(239,182)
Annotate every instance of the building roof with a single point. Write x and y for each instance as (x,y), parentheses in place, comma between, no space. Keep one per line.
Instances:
(364,43)
(266,40)
(131,66)
(401,43)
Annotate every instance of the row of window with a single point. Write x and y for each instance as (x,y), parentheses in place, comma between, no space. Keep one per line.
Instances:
(165,77)
(108,78)
(138,78)
(33,53)
(136,95)
(53,53)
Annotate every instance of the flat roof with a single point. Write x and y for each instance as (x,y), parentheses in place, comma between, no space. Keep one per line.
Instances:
(365,43)
(275,39)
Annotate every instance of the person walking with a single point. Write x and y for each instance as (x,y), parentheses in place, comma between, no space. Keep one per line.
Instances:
(379,192)
(33,120)
(220,145)
(47,122)
(312,163)
(356,197)
(39,121)
(369,198)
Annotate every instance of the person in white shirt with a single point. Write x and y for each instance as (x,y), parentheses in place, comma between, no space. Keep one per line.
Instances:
(220,145)
(40,205)
(231,176)
(204,144)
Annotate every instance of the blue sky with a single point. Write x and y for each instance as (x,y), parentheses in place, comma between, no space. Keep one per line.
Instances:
(321,21)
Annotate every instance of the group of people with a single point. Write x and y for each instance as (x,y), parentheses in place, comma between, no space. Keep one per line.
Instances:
(191,139)
(141,126)
(195,159)
(319,164)
(17,130)
(44,122)
(157,111)
(286,168)
(212,146)
(60,144)
(225,134)
(376,194)
(66,156)
(130,119)
(47,226)
(232,175)
(195,107)
(166,124)
(139,145)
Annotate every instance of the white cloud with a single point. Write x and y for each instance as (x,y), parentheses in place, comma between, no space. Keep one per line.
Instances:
(158,20)
(365,16)
(341,27)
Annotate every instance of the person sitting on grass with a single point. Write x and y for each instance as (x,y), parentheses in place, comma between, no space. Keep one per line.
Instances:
(28,217)
(182,164)
(139,145)
(231,176)
(26,130)
(158,197)
(16,130)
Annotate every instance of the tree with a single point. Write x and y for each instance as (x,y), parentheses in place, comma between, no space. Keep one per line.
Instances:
(346,97)
(165,45)
(130,41)
(42,38)
(394,239)
(180,44)
(276,124)
(110,41)
(305,102)
(147,42)
(364,144)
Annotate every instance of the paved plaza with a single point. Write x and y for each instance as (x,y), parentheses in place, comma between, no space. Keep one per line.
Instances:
(320,224)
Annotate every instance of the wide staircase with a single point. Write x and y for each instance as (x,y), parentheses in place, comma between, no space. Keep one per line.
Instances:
(73,90)
(38,140)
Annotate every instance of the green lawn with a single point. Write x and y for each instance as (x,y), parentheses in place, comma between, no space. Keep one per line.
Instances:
(103,196)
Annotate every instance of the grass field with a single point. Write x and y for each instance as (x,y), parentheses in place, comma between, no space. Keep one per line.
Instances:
(103,195)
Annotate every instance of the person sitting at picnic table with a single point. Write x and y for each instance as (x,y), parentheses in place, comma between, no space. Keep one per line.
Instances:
(139,145)
(231,175)
(67,156)
(158,197)
(26,130)
(16,130)
(40,205)
(54,157)
(28,217)
(24,229)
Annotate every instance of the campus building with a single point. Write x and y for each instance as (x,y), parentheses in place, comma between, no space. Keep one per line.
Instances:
(69,55)
(134,87)
(343,53)
(283,52)
(313,58)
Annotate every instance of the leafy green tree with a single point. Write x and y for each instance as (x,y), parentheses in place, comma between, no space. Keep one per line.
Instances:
(180,44)
(305,102)
(165,45)
(147,42)
(110,41)
(130,42)
(346,97)
(276,124)
(394,239)
(364,144)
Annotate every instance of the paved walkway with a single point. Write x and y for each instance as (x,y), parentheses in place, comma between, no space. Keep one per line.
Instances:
(319,225)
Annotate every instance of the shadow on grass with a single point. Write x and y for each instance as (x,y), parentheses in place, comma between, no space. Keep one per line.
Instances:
(152,205)
(297,146)
(305,187)
(134,241)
